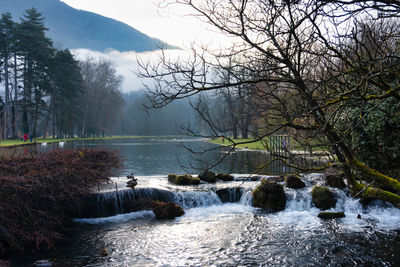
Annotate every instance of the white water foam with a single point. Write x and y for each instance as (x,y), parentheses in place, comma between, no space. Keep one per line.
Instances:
(217,211)
(117,218)
(302,214)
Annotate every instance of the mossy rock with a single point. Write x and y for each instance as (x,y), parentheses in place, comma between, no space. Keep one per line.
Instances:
(276,179)
(184,179)
(294,181)
(167,210)
(323,198)
(331,215)
(225,177)
(335,180)
(269,196)
(208,176)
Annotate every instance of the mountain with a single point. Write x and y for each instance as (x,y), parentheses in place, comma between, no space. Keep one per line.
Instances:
(74,28)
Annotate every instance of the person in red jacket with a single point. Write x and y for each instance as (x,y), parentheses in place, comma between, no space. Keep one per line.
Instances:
(25,137)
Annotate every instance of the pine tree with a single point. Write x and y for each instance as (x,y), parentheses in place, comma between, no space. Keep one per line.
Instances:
(36,51)
(6,39)
(66,91)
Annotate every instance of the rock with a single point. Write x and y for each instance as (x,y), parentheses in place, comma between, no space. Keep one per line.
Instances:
(331,215)
(208,176)
(323,198)
(335,181)
(103,252)
(230,194)
(167,210)
(225,177)
(294,181)
(358,216)
(132,183)
(143,204)
(276,179)
(269,196)
(183,179)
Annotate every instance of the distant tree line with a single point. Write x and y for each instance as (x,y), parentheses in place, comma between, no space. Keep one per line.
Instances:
(46,90)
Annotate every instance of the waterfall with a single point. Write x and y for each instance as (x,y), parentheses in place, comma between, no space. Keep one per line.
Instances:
(247,197)
(123,201)
(191,199)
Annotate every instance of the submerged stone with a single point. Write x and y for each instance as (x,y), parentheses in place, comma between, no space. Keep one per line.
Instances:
(183,179)
(269,196)
(294,181)
(224,177)
(167,210)
(331,215)
(323,198)
(208,176)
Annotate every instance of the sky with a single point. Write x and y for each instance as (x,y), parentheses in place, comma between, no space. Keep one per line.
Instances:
(170,24)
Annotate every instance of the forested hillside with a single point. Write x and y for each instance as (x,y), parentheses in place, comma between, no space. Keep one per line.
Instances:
(72,28)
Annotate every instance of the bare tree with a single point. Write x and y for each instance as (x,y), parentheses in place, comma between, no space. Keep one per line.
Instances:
(310,62)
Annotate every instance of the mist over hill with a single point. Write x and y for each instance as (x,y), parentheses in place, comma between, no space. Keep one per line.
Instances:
(72,28)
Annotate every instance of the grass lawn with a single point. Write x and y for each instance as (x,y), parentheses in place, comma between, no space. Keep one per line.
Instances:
(258,145)
(17,142)
(263,145)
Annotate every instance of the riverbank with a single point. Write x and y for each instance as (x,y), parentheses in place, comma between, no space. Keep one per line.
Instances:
(41,193)
(18,142)
(262,145)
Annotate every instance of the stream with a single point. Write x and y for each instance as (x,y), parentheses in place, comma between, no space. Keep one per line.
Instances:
(213,232)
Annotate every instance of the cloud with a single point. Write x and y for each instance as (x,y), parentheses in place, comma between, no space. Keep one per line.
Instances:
(126,63)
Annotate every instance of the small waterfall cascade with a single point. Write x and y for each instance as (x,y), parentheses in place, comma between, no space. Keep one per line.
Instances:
(247,197)
(191,199)
(298,199)
(111,203)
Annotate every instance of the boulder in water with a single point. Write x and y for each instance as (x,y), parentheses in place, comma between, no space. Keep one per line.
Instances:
(335,180)
(132,183)
(230,194)
(269,196)
(167,210)
(276,179)
(331,215)
(294,181)
(323,198)
(208,176)
(103,252)
(225,177)
(183,179)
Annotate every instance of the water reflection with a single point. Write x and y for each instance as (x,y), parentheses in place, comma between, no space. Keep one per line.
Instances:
(160,156)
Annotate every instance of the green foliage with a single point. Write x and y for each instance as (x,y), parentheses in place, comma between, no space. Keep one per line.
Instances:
(376,138)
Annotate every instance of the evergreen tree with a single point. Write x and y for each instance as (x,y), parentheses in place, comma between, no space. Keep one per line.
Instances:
(6,39)
(36,51)
(66,92)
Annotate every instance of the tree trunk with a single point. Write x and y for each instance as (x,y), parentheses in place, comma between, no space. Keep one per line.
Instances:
(7,120)
(15,102)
